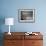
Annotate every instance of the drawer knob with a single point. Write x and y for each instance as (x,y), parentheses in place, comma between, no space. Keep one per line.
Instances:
(33,42)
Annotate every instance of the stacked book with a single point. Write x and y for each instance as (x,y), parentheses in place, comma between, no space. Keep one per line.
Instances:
(30,33)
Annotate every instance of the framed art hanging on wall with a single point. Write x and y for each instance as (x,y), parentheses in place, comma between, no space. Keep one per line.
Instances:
(26,15)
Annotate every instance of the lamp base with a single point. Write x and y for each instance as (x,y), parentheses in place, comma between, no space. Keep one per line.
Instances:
(9,33)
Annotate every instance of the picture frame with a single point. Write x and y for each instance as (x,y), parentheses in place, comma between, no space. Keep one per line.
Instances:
(26,15)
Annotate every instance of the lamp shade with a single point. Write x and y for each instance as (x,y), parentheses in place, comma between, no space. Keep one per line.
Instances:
(9,21)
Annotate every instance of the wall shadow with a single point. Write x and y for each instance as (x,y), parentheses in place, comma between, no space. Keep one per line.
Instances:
(2,21)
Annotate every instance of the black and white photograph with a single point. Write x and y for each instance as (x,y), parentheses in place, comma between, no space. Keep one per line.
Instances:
(26,15)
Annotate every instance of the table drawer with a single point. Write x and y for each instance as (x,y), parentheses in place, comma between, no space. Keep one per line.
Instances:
(33,43)
(9,42)
(34,37)
(16,37)
(13,43)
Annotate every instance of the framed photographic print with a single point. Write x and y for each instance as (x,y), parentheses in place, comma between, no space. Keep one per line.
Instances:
(26,15)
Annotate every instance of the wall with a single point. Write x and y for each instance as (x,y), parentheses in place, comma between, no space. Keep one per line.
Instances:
(9,8)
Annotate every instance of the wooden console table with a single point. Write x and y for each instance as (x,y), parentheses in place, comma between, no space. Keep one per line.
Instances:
(20,39)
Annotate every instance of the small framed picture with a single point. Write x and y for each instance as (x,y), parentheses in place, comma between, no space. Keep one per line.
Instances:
(26,15)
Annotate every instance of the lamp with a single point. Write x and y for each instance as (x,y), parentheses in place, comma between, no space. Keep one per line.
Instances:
(9,21)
